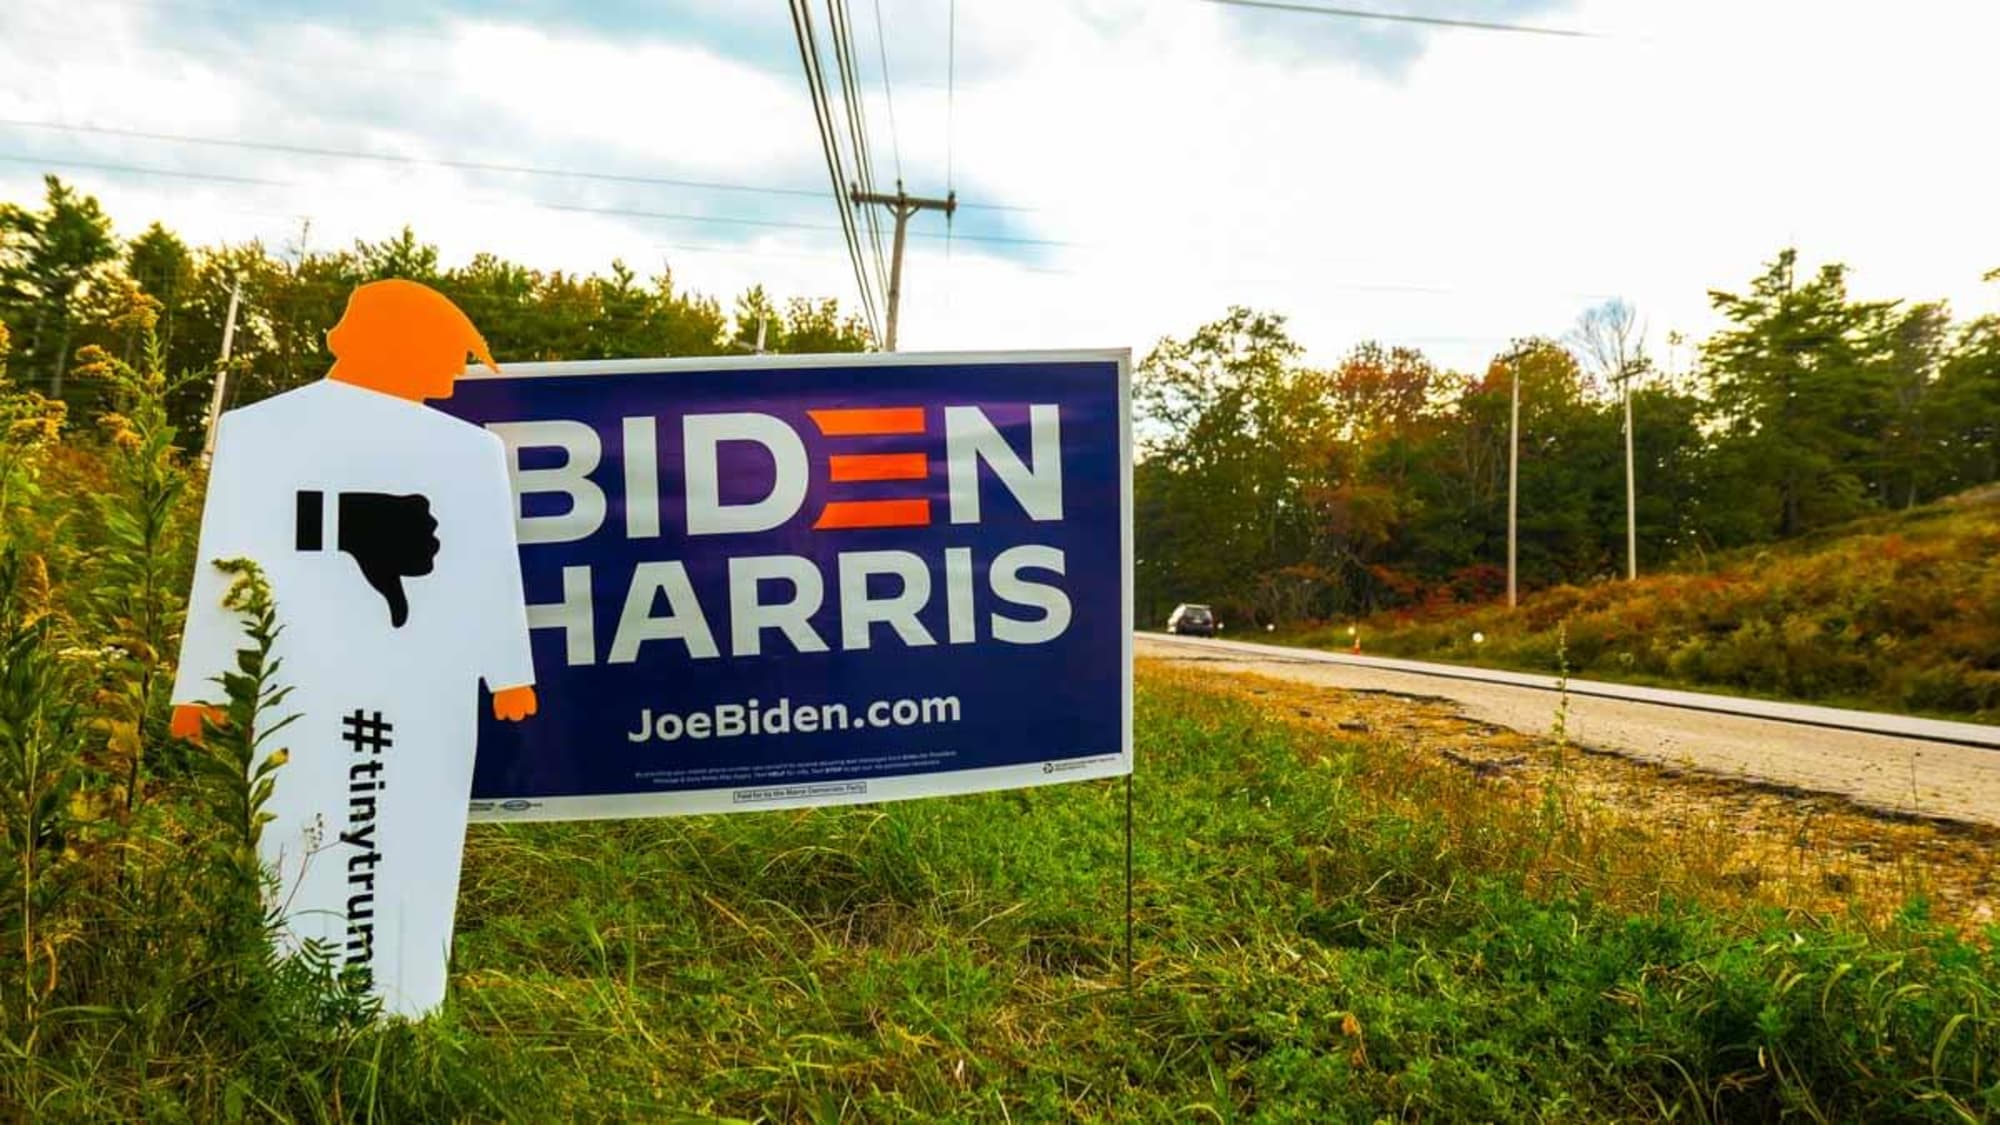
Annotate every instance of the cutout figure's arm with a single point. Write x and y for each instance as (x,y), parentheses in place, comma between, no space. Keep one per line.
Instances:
(213,633)
(188,717)
(511,705)
(505,661)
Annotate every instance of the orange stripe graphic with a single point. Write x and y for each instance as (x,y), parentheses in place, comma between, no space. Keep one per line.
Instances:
(855,423)
(878,466)
(874,513)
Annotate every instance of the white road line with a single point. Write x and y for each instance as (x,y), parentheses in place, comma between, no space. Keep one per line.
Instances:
(1803,714)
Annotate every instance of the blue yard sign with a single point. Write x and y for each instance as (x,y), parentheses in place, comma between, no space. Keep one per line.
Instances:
(782,581)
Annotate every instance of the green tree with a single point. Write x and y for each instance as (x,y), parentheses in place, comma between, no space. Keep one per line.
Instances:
(1801,394)
(1571,485)
(818,326)
(1911,465)
(756,325)
(163,268)
(402,256)
(1671,463)
(502,298)
(48,258)
(1233,431)
(1964,407)
(804,325)
(1383,402)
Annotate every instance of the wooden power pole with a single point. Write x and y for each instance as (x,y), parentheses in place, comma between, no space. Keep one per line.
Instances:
(1631,489)
(902,206)
(216,395)
(1513,488)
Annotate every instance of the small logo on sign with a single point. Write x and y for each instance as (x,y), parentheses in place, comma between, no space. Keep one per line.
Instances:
(516,805)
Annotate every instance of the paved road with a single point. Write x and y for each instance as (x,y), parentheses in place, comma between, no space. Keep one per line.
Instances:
(1891,762)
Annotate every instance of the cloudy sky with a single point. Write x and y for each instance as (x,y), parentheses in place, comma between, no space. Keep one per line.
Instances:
(1129,168)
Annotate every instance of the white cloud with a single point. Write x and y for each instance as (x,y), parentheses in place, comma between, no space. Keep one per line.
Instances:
(1493,188)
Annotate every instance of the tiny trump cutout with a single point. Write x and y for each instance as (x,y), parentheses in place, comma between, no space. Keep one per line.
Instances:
(386,529)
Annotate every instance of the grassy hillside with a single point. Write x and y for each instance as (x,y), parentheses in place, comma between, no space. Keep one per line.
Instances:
(1899,613)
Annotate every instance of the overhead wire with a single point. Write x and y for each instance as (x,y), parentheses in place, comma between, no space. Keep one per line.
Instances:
(851,96)
(950,87)
(783,224)
(845,53)
(808,43)
(399,158)
(102,166)
(437,162)
(859,166)
(534,204)
(1415,289)
(888,95)
(950,113)
(860,103)
(1403,17)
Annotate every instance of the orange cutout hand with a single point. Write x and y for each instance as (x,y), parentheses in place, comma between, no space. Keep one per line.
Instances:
(511,705)
(186,722)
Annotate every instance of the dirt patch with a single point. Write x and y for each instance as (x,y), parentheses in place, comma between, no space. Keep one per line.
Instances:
(1777,844)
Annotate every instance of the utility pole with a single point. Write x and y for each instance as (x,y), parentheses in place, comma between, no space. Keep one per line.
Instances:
(1606,342)
(1631,492)
(902,207)
(1513,488)
(221,371)
(763,324)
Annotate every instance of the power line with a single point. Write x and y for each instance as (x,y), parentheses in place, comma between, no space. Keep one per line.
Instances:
(536,204)
(836,166)
(858,98)
(435,162)
(882,51)
(829,145)
(950,112)
(1413,288)
(950,89)
(1398,17)
(779,224)
(857,121)
(746,251)
(98,166)
(397,158)
(99,51)
(238,12)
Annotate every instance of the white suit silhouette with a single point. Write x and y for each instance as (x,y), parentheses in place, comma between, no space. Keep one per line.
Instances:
(370,809)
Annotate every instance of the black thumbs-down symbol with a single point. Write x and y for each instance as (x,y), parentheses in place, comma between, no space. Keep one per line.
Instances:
(389,537)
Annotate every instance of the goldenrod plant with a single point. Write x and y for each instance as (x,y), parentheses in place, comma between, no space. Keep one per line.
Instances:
(137,554)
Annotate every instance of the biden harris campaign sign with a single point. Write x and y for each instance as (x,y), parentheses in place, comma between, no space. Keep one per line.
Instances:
(772,582)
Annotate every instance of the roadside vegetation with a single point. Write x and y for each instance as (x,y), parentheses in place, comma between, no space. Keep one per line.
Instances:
(1334,920)
(1284,491)
(1897,612)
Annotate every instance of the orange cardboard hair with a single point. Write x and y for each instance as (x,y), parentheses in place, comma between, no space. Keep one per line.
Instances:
(404,339)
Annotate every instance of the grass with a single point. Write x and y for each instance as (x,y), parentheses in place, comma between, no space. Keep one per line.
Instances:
(1333,923)
(1898,613)
(1328,930)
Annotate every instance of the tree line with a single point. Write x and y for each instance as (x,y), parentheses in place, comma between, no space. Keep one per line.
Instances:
(1289,492)
(1281,490)
(66,278)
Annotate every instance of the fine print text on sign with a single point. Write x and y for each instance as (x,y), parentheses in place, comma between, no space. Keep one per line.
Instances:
(782,581)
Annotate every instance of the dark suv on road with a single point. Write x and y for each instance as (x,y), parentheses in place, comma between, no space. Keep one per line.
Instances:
(1193,621)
